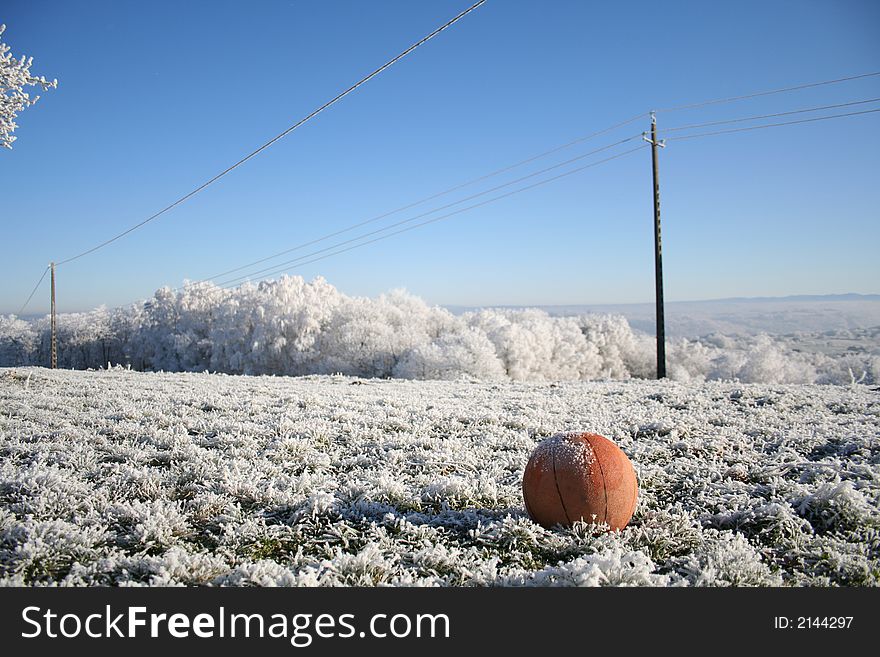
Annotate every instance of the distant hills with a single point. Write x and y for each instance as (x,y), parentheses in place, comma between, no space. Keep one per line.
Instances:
(851,296)
(739,315)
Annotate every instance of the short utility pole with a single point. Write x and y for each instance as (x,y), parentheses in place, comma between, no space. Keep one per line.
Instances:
(54,347)
(658,250)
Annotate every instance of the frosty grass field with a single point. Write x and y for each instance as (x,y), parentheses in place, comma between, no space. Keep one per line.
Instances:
(118,477)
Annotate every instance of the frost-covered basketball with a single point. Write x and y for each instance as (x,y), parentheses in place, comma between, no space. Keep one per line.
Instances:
(580,476)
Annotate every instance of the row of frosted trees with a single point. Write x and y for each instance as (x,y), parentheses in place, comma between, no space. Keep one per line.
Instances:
(294,327)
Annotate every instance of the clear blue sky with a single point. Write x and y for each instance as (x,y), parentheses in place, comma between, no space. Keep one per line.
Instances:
(156,97)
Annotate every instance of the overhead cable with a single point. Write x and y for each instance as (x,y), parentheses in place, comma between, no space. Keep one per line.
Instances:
(718,101)
(314,113)
(24,305)
(458,202)
(769,125)
(421,201)
(456,212)
(767,116)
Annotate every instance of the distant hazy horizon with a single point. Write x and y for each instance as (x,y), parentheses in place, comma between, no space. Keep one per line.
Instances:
(691,319)
(773,315)
(456,307)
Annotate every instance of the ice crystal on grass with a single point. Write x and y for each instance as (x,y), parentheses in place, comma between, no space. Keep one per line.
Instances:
(838,506)
(615,567)
(726,560)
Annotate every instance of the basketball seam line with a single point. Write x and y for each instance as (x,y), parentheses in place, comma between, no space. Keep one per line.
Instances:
(526,499)
(604,484)
(635,494)
(556,483)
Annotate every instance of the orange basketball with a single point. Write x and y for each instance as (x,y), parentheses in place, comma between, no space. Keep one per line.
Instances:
(580,476)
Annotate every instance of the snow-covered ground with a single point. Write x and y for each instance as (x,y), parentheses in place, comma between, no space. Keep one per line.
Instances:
(120,477)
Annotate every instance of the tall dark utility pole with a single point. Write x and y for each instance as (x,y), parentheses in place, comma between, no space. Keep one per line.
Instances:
(658,252)
(54,349)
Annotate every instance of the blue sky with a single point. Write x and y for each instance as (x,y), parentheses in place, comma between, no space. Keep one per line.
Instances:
(155,98)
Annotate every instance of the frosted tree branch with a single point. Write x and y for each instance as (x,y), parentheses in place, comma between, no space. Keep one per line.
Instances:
(15,76)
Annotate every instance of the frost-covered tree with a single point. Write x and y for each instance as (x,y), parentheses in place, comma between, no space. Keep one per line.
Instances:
(15,76)
(160,335)
(367,337)
(18,341)
(452,356)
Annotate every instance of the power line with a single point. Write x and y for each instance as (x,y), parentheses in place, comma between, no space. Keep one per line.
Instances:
(450,214)
(768,116)
(449,205)
(34,291)
(457,187)
(444,207)
(718,101)
(339,97)
(770,125)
